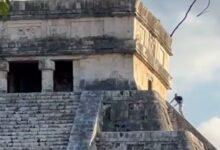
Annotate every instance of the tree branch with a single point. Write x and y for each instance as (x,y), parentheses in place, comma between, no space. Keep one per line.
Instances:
(185,17)
(205,9)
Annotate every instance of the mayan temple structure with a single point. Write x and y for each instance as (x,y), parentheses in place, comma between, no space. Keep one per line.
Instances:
(88,75)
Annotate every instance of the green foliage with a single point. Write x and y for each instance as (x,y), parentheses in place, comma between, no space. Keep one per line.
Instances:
(4,7)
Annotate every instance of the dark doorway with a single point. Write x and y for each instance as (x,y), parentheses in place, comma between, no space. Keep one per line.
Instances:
(63,76)
(149,85)
(24,77)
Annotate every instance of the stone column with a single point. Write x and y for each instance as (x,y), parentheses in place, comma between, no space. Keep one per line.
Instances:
(4,68)
(47,68)
(76,75)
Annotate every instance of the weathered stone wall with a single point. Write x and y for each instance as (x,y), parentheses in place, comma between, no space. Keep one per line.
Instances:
(56,46)
(106,72)
(36,121)
(66,36)
(142,74)
(134,111)
(150,45)
(152,53)
(35,19)
(46,9)
(148,140)
(120,27)
(70,8)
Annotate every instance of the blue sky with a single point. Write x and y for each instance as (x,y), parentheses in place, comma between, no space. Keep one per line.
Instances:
(195,65)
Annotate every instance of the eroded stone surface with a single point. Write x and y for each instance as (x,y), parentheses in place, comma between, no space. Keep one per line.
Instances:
(82,121)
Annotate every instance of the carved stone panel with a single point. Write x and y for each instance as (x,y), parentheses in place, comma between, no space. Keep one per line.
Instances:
(58,28)
(80,29)
(24,30)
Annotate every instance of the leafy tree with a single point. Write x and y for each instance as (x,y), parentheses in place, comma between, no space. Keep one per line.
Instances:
(4,7)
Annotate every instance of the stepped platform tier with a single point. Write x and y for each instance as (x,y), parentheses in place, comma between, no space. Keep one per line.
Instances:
(113,120)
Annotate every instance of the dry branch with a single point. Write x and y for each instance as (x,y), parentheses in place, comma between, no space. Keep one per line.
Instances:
(205,9)
(185,17)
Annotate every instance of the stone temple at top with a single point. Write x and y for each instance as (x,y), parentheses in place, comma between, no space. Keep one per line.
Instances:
(88,75)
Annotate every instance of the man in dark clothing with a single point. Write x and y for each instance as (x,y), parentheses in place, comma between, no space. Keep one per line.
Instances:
(179,101)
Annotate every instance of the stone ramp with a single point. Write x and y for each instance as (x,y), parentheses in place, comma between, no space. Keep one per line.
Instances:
(181,124)
(36,121)
(87,121)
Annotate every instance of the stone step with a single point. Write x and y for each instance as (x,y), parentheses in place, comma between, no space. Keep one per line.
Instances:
(37,121)
(34,104)
(35,147)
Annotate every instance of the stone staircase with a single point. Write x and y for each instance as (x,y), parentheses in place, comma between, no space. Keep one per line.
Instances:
(37,121)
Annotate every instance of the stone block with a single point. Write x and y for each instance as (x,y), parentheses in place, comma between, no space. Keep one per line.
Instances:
(46,64)
(4,66)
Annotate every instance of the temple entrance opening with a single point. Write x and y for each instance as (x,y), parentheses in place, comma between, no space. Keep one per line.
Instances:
(24,77)
(150,86)
(63,76)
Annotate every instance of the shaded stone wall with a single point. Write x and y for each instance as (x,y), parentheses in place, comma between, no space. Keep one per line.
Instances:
(66,36)
(71,8)
(134,111)
(143,73)
(154,26)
